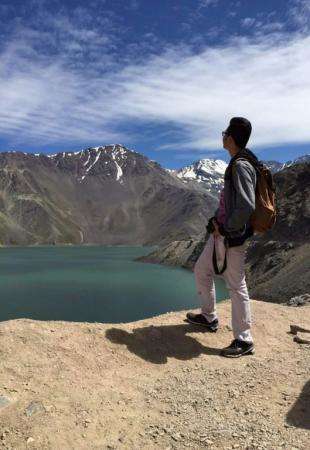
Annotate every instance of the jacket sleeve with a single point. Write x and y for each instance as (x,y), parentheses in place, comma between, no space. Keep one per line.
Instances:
(244,182)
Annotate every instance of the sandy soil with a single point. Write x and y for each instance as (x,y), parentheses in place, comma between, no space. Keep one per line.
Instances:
(158,383)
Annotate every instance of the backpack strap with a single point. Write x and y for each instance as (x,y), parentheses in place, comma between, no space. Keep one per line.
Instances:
(259,167)
(246,156)
(256,164)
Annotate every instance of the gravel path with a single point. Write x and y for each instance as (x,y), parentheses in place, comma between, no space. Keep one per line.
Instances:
(155,384)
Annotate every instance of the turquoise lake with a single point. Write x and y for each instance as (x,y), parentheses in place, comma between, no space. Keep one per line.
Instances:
(92,284)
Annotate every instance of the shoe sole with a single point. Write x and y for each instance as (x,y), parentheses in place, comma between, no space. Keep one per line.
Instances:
(213,330)
(247,352)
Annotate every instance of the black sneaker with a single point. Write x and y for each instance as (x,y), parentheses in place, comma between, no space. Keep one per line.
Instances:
(238,348)
(199,319)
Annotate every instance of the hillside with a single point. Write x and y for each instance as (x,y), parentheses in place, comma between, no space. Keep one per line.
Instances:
(104,195)
(278,263)
(155,384)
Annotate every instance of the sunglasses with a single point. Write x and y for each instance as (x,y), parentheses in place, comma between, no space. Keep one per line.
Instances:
(225,134)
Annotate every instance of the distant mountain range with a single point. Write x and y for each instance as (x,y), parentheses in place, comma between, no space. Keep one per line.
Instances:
(106,195)
(103,195)
(208,174)
(276,166)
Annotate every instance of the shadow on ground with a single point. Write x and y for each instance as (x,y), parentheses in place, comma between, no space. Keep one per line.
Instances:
(299,414)
(156,344)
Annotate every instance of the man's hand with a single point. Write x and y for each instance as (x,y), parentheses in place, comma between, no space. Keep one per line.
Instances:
(216,232)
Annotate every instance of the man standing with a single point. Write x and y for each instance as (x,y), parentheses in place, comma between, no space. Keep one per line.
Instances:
(230,227)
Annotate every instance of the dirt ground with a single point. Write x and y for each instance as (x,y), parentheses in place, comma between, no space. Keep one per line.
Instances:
(155,384)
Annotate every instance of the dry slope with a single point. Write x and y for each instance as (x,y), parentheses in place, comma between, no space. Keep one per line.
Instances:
(158,383)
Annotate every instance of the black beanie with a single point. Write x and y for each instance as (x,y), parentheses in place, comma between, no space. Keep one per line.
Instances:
(240,130)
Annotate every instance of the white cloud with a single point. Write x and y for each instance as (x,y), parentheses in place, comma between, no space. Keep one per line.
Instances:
(262,24)
(248,22)
(206,3)
(44,100)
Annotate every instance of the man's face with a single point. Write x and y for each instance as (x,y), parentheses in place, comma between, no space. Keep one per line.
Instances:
(226,137)
(228,142)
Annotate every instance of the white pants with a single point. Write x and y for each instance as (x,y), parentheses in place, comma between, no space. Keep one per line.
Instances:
(234,277)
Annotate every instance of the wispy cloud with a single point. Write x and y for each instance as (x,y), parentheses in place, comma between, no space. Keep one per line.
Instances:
(248,21)
(262,24)
(300,14)
(207,3)
(51,97)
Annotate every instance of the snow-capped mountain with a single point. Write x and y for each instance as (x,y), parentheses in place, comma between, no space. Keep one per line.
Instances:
(108,160)
(209,173)
(106,195)
(203,169)
(103,195)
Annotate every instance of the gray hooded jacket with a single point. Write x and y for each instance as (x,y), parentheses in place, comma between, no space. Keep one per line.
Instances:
(239,199)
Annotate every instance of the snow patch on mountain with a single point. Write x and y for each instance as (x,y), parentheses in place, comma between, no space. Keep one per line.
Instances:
(203,169)
(87,161)
(96,160)
(115,152)
(208,172)
(119,171)
(276,166)
(299,160)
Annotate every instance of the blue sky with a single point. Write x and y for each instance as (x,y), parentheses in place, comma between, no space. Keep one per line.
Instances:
(162,77)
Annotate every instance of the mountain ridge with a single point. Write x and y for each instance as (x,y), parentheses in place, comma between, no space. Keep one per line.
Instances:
(102,195)
(105,195)
(207,174)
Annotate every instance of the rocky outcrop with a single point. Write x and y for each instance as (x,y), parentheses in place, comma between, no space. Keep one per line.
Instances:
(278,263)
(299,300)
(177,253)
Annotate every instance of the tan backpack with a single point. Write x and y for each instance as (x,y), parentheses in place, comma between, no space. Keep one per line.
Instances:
(264,216)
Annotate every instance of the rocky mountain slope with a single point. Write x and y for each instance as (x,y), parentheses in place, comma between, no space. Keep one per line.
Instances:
(204,174)
(278,263)
(104,195)
(154,384)
(276,166)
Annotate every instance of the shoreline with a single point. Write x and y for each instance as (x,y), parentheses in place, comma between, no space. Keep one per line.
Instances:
(73,245)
